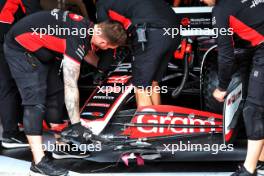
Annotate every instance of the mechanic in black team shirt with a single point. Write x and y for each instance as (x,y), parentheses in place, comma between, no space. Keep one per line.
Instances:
(145,22)
(246,17)
(30,47)
(10,109)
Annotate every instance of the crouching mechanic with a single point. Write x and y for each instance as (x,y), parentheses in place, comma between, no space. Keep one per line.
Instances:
(29,52)
(248,31)
(145,22)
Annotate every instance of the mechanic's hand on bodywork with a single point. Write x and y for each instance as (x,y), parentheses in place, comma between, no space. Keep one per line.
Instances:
(219,95)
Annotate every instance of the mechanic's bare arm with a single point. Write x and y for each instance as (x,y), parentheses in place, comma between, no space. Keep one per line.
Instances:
(92,58)
(71,72)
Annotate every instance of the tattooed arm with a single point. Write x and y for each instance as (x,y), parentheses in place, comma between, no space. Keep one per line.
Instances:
(71,72)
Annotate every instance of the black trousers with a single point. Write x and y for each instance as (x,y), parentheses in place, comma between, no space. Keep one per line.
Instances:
(253,111)
(11,112)
(256,79)
(244,59)
(151,64)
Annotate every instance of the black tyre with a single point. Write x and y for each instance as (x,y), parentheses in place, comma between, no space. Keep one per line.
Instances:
(210,83)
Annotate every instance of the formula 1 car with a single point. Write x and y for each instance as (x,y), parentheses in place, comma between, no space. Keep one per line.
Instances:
(155,132)
(168,132)
(179,131)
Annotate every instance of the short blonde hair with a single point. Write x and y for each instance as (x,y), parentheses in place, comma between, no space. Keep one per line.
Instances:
(114,32)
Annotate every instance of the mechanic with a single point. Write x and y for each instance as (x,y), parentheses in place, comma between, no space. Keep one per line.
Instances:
(30,48)
(246,18)
(10,111)
(145,22)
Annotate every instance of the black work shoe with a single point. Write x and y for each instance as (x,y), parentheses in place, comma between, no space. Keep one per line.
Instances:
(77,133)
(17,141)
(46,167)
(242,171)
(66,151)
(260,168)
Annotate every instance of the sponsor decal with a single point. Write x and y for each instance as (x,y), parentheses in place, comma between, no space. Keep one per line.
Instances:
(185,21)
(256,74)
(55,13)
(154,119)
(119,79)
(255,3)
(75,17)
(234,98)
(154,131)
(214,21)
(124,67)
(103,98)
(98,105)
(231,106)
(95,114)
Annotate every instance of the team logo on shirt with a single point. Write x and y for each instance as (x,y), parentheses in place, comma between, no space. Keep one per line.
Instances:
(75,17)
(255,3)
(55,13)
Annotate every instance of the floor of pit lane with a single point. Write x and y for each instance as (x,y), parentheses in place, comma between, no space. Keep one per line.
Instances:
(15,167)
(16,162)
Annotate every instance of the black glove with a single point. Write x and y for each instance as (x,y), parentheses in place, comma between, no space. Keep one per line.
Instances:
(77,133)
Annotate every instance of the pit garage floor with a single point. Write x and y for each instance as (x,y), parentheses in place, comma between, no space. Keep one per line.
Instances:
(15,167)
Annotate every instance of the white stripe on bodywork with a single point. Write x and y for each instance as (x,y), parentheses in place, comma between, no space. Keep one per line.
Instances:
(193,9)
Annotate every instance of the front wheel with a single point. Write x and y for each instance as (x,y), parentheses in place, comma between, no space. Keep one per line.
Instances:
(210,83)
